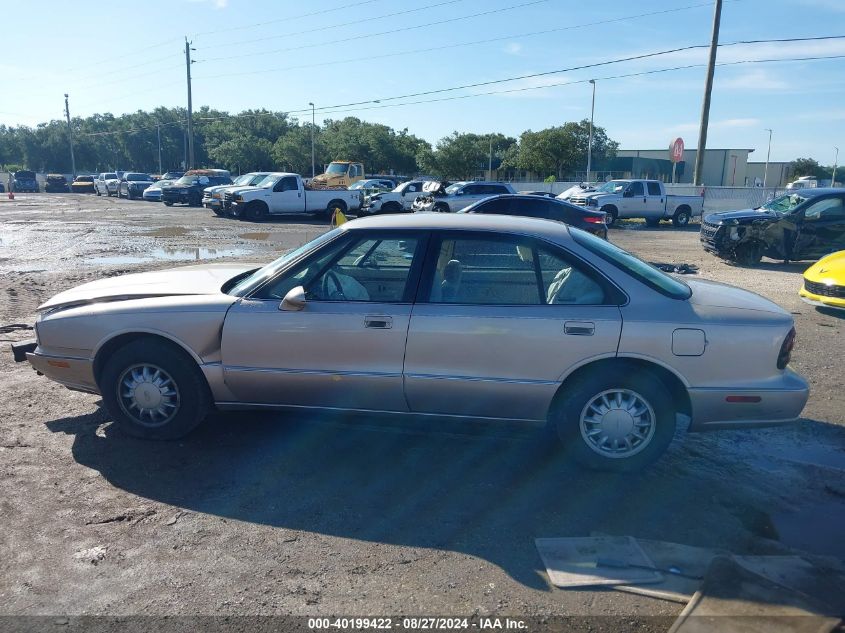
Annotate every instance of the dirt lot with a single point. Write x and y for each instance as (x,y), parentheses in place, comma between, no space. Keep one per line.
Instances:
(270,514)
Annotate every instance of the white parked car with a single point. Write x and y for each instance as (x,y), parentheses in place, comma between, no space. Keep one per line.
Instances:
(212,197)
(106,183)
(458,195)
(400,199)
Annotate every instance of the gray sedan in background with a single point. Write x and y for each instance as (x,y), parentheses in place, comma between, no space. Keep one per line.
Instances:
(491,317)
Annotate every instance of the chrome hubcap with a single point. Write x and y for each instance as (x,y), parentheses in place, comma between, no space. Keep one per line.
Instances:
(617,423)
(148,395)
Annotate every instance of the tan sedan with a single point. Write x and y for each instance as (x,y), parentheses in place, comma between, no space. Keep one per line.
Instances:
(476,316)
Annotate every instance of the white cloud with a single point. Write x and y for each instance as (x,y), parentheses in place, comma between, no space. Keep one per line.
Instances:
(724,124)
(757,79)
(513,48)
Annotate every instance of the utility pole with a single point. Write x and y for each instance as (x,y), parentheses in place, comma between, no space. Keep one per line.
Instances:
(708,89)
(768,155)
(70,137)
(188,62)
(835,160)
(158,135)
(313,172)
(590,142)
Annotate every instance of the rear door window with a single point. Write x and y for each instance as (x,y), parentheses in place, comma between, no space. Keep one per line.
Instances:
(654,189)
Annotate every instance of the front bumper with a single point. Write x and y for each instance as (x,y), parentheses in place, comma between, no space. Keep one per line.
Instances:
(175,198)
(776,404)
(72,372)
(152,197)
(821,302)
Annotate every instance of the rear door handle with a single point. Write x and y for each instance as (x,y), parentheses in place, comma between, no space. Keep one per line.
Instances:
(579,328)
(378,322)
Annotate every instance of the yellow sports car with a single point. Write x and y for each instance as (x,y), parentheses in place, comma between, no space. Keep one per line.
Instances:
(824,282)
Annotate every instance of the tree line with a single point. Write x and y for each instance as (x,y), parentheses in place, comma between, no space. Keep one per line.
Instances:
(265,140)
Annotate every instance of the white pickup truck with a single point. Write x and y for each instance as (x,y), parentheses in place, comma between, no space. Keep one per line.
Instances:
(284,193)
(640,199)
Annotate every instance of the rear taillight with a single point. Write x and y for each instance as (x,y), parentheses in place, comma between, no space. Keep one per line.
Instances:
(594,219)
(786,349)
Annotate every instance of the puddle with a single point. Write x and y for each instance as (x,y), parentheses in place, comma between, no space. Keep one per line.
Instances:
(293,239)
(816,529)
(168,231)
(169,254)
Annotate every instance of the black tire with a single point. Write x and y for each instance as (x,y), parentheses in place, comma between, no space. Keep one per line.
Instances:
(748,254)
(168,204)
(652,222)
(681,218)
(193,399)
(194,200)
(255,211)
(571,404)
(440,207)
(611,214)
(97,189)
(339,205)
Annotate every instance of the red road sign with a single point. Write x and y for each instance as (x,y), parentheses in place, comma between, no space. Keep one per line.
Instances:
(676,150)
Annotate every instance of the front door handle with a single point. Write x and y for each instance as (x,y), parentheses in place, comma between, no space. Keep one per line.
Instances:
(379,322)
(579,328)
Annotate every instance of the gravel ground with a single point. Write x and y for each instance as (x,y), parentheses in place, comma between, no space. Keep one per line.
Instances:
(305,514)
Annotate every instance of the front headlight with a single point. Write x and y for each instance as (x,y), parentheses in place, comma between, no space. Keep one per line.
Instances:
(216,195)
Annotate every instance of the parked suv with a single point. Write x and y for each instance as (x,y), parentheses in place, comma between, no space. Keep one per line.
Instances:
(805,224)
(188,189)
(106,183)
(133,185)
(458,196)
(25,182)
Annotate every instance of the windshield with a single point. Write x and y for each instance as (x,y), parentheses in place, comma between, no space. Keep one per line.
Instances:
(189,179)
(110,177)
(25,174)
(337,168)
(453,188)
(244,179)
(632,265)
(138,177)
(784,204)
(256,279)
(614,186)
(268,181)
(85,179)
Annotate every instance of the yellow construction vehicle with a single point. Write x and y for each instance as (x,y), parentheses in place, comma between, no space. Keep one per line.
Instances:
(340,173)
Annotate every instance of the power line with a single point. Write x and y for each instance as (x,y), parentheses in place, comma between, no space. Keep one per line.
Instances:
(377,102)
(366,20)
(389,32)
(461,44)
(286,19)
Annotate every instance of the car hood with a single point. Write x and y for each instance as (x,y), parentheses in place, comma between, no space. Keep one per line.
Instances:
(718,295)
(188,280)
(744,214)
(244,189)
(828,270)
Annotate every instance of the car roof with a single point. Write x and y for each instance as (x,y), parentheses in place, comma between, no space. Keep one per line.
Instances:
(530,196)
(819,191)
(555,231)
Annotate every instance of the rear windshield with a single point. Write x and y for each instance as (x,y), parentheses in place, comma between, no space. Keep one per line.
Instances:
(632,265)
(138,177)
(25,174)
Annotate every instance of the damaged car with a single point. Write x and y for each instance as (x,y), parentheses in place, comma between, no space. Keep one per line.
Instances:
(803,225)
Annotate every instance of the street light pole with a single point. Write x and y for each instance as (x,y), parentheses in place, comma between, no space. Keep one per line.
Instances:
(313,172)
(158,136)
(768,155)
(188,62)
(490,162)
(590,142)
(70,137)
(835,160)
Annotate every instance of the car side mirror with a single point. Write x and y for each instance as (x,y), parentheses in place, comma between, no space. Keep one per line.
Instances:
(294,300)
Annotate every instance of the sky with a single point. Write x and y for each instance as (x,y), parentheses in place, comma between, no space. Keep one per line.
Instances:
(119,57)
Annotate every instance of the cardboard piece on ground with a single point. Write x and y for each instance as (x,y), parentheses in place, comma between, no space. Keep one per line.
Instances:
(730,593)
(692,561)
(571,562)
(821,577)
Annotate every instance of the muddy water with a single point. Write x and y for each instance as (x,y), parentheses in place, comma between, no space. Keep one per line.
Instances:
(168,254)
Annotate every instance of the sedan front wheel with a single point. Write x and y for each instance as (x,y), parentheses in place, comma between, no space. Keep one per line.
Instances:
(615,420)
(154,391)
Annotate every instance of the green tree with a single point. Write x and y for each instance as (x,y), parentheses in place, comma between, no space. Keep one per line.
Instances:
(562,150)
(463,156)
(809,167)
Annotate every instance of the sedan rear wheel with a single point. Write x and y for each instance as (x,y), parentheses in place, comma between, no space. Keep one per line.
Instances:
(615,420)
(154,390)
